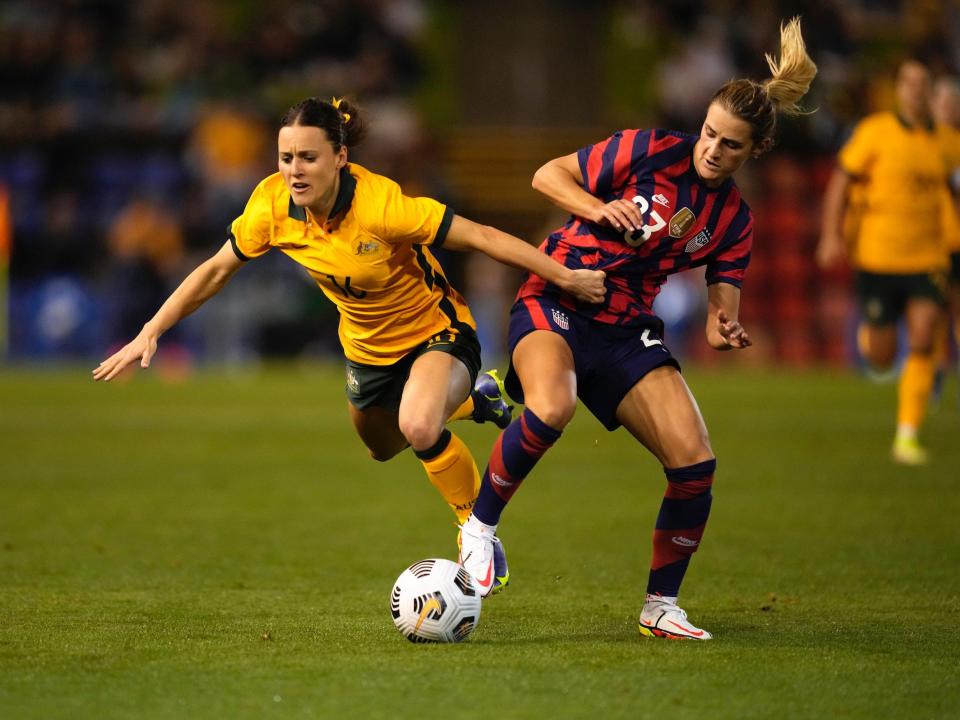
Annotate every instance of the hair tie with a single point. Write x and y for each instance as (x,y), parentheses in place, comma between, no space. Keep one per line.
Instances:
(336,104)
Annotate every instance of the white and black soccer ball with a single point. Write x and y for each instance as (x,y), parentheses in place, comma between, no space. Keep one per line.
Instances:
(435,600)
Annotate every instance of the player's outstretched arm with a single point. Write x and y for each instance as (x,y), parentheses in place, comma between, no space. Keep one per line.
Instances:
(198,287)
(583,284)
(724,331)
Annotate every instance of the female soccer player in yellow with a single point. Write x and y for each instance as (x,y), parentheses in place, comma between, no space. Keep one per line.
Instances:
(946,116)
(895,163)
(409,339)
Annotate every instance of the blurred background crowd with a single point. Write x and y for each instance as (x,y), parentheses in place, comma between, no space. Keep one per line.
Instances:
(131,135)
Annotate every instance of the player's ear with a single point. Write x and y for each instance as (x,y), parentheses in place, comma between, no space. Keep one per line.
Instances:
(761,147)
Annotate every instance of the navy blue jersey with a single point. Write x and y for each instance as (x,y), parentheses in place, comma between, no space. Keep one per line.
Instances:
(686,224)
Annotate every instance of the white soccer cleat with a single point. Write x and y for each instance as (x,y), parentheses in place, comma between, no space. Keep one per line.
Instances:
(662,618)
(481,555)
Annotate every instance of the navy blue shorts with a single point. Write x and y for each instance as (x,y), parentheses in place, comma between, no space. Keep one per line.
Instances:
(609,359)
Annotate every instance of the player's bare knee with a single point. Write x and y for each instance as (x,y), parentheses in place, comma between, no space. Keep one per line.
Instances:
(689,453)
(380,455)
(554,412)
(420,434)
(922,346)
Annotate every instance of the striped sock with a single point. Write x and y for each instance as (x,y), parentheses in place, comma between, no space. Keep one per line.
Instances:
(683,516)
(516,451)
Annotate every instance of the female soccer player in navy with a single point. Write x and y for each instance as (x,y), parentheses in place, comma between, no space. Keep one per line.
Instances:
(408,336)
(644,204)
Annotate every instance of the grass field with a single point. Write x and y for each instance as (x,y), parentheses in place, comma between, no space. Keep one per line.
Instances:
(223,548)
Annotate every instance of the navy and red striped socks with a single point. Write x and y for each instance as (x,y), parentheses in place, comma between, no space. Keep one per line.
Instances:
(516,451)
(680,524)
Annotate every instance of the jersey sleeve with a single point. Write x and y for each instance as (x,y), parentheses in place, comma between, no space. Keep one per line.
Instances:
(411,220)
(859,151)
(729,265)
(250,234)
(606,166)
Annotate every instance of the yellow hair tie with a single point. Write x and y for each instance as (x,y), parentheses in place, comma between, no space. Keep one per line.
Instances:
(336,104)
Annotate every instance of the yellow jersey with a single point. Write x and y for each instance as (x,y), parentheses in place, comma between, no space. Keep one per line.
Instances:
(949,138)
(371,258)
(902,182)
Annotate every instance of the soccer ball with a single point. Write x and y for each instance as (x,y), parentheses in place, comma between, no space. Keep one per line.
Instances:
(435,600)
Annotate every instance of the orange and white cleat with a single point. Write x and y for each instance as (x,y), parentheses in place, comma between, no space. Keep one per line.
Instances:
(662,618)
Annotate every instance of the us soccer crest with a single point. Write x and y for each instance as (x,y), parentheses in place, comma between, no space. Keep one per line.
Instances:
(701,239)
(681,222)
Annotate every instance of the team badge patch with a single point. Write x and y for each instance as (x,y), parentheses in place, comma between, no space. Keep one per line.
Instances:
(681,222)
(367,247)
(698,241)
(352,382)
(562,321)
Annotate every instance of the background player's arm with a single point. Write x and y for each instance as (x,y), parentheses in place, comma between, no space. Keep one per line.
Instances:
(724,331)
(832,247)
(561,180)
(198,287)
(586,285)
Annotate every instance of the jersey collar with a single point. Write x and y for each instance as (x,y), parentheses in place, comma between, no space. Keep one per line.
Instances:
(348,186)
(926,126)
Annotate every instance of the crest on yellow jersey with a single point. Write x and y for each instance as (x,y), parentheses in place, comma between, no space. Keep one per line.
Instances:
(367,247)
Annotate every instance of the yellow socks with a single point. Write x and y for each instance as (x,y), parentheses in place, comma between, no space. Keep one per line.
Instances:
(452,470)
(465,411)
(916,383)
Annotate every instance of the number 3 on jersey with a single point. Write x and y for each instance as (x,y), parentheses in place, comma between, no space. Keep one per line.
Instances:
(635,238)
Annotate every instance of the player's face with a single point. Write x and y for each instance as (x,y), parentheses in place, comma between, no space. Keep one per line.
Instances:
(725,143)
(913,90)
(946,104)
(309,166)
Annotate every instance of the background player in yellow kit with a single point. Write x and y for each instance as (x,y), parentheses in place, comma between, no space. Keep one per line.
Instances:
(945,108)
(408,336)
(899,250)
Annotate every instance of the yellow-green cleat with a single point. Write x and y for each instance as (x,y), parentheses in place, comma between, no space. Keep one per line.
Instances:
(907,451)
(489,400)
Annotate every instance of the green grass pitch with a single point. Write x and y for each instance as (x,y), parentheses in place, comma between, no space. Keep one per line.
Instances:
(222,547)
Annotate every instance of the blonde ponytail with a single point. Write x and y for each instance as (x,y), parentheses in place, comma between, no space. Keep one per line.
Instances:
(792,74)
(759,102)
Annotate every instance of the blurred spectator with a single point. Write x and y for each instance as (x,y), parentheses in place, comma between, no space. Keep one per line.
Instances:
(227,151)
(689,77)
(146,263)
(105,102)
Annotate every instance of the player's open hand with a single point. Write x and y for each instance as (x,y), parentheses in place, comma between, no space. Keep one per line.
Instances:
(732,332)
(587,285)
(619,214)
(141,348)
